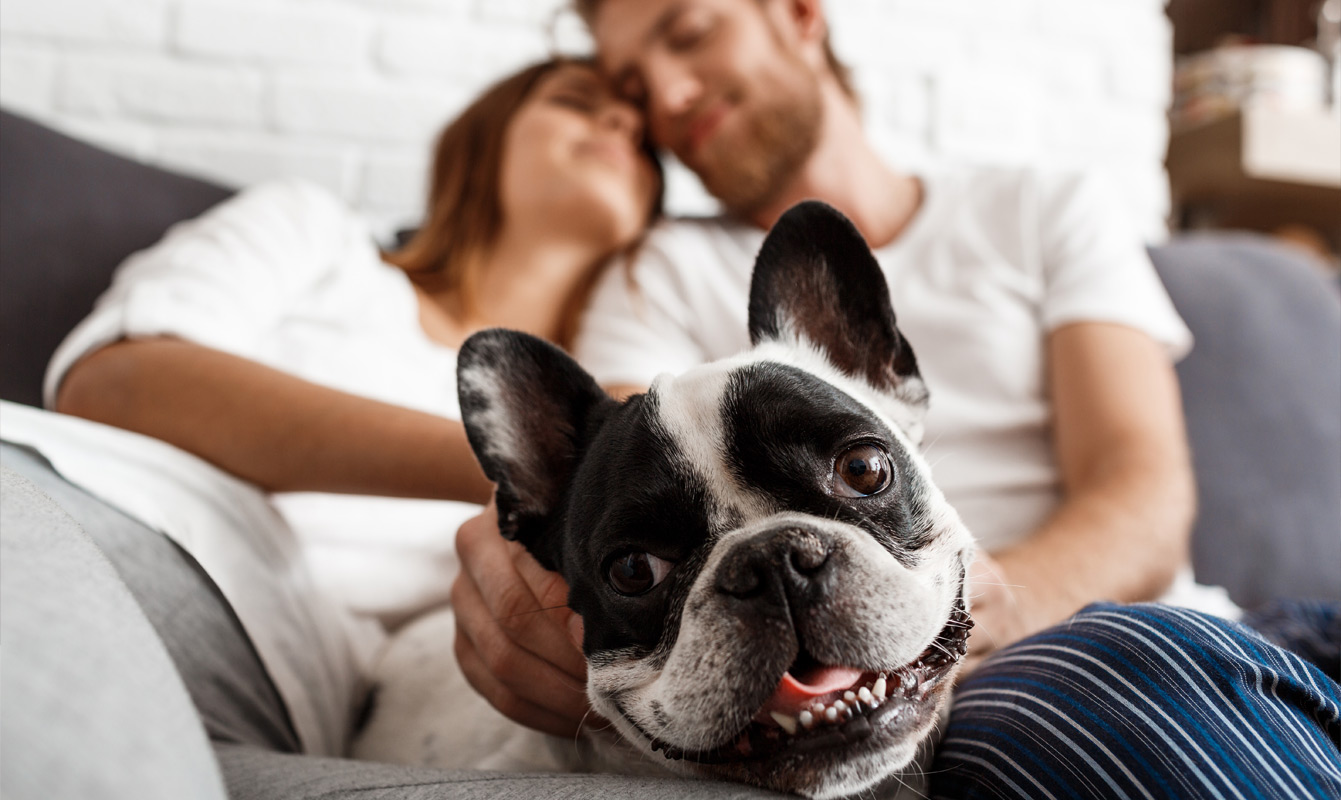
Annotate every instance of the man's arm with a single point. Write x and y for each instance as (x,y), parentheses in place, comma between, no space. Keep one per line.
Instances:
(1123,528)
(271,428)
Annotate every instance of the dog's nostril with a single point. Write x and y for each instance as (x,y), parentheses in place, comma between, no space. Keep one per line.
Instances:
(808,553)
(739,577)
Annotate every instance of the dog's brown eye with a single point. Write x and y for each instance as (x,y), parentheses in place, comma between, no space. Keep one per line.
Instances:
(637,573)
(861,471)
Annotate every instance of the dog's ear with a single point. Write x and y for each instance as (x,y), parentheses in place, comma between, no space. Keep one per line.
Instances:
(816,279)
(529,411)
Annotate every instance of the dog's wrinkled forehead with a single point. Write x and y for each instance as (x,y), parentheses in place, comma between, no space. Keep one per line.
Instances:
(763,436)
(713,450)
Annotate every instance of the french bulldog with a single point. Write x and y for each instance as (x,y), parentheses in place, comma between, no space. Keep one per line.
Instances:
(772,587)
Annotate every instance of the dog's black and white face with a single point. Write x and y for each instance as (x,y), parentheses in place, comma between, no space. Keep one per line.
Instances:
(772,587)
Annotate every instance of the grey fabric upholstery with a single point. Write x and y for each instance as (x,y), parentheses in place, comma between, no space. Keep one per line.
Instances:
(253,774)
(111,632)
(69,213)
(93,705)
(1262,389)
(213,656)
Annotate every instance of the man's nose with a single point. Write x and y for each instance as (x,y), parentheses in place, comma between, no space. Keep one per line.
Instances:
(672,89)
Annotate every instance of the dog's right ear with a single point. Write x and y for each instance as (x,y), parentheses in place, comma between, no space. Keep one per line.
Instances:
(816,280)
(529,411)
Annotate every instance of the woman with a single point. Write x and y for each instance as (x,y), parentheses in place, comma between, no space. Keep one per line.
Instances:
(272,338)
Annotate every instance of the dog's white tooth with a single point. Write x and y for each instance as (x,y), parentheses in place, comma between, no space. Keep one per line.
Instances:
(879,688)
(865,695)
(850,696)
(817,709)
(840,706)
(788,723)
(831,714)
(806,719)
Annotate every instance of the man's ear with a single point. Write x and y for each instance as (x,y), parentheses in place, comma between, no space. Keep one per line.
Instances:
(529,411)
(816,280)
(802,23)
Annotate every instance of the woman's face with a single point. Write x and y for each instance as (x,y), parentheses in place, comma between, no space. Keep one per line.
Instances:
(573,154)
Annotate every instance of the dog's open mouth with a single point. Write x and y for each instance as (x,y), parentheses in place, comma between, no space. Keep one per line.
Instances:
(817,707)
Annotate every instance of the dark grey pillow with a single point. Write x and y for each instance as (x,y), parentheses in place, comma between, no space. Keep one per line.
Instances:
(1262,389)
(69,213)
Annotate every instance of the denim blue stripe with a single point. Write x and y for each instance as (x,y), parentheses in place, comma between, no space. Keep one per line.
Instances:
(1025,749)
(1202,660)
(1310,743)
(1251,699)
(1257,703)
(1003,703)
(1045,690)
(1173,706)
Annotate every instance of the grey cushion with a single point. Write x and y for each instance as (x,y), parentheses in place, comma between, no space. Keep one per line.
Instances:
(254,774)
(69,213)
(93,706)
(1262,389)
(104,620)
(215,659)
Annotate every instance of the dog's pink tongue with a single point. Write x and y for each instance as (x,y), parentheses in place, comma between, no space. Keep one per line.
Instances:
(794,694)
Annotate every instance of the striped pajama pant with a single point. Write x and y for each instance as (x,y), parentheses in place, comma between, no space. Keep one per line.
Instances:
(1143,701)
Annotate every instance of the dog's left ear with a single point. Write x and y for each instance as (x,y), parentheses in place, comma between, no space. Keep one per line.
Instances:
(816,279)
(529,412)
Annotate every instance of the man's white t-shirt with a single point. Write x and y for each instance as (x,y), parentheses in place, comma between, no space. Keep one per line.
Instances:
(993,261)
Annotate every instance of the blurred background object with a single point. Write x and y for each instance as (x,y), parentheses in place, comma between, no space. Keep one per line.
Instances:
(348,93)
(1256,121)
(1220,82)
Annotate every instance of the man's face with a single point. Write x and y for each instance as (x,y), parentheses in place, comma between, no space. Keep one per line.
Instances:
(724,87)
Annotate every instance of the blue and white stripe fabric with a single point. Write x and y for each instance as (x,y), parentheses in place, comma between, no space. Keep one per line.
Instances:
(1143,701)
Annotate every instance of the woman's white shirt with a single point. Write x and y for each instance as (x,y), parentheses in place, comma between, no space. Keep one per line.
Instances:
(286,275)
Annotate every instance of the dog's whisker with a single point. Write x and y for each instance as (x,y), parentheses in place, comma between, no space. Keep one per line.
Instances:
(997,583)
(580,723)
(905,785)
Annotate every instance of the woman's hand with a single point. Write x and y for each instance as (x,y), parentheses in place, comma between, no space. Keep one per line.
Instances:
(517,641)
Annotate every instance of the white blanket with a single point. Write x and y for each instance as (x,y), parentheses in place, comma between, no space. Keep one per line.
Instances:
(316,652)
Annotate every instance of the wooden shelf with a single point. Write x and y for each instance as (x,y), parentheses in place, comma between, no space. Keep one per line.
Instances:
(1260,169)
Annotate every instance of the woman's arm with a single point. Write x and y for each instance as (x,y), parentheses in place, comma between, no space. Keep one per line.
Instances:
(273,429)
(1123,528)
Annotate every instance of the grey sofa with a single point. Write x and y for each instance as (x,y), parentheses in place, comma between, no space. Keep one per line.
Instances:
(1262,391)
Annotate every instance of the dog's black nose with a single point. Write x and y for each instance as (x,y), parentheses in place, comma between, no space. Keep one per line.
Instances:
(788,563)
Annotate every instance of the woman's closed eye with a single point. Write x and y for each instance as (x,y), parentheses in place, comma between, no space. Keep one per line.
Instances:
(578,101)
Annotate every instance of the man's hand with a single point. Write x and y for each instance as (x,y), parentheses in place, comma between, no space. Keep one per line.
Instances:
(999,618)
(516,640)
(1121,532)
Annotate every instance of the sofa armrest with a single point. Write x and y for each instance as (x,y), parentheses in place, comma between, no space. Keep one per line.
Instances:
(94,706)
(1262,391)
(69,214)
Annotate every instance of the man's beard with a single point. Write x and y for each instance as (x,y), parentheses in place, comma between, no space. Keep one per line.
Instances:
(778,137)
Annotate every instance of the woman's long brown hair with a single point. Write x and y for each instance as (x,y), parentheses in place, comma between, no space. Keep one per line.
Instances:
(465,212)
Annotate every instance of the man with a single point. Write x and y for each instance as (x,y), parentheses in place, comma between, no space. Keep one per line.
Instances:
(1040,328)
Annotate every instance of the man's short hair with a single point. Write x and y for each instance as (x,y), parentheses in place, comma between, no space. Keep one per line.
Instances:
(587,10)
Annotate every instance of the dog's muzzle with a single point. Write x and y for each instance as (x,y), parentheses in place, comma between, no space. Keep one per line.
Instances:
(815,706)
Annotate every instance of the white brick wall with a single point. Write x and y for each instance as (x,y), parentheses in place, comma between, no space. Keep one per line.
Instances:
(349,93)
